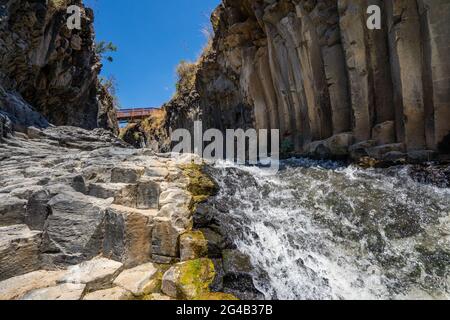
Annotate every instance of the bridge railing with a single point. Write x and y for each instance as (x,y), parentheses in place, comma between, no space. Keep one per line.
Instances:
(134,113)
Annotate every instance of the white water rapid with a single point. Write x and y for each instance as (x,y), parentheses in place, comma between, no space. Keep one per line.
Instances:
(319,231)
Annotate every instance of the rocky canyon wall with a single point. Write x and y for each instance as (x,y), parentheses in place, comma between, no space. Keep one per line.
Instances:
(48,69)
(315,71)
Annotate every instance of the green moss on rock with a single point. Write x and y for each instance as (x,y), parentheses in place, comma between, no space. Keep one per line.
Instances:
(201,186)
(216,296)
(188,280)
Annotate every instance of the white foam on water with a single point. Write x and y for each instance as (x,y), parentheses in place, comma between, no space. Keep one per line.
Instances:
(318,230)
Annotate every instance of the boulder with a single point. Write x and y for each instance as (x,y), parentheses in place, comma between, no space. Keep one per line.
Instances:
(165,238)
(19,251)
(16,287)
(238,278)
(394,156)
(193,245)
(113,294)
(420,156)
(236,262)
(128,235)
(188,280)
(338,145)
(359,150)
(379,151)
(65,292)
(142,280)
(12,210)
(384,133)
(74,230)
(216,242)
(96,274)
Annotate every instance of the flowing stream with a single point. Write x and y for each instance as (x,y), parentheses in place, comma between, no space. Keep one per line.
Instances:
(317,230)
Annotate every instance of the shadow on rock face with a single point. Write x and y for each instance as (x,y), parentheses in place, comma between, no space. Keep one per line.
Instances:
(444,146)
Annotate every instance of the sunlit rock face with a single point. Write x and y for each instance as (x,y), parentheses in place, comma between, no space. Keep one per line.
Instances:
(314,70)
(50,67)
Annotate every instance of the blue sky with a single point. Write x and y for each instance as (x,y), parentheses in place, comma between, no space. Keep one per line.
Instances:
(152,36)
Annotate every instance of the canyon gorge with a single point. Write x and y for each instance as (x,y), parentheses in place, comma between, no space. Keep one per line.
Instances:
(359,209)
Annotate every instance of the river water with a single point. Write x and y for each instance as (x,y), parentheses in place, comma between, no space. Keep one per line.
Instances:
(318,230)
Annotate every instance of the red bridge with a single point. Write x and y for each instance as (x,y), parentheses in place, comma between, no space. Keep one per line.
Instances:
(135,114)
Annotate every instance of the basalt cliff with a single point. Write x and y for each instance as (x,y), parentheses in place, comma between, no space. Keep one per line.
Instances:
(314,70)
(49,73)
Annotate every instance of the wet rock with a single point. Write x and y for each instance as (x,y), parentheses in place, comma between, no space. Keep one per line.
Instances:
(379,151)
(359,150)
(395,156)
(19,251)
(241,286)
(236,262)
(216,242)
(95,274)
(238,278)
(421,156)
(204,216)
(142,280)
(338,145)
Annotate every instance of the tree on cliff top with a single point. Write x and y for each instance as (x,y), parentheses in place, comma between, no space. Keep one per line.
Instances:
(103,47)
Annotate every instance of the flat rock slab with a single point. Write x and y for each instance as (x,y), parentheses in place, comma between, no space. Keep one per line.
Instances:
(141,280)
(66,291)
(19,251)
(113,294)
(15,288)
(96,274)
